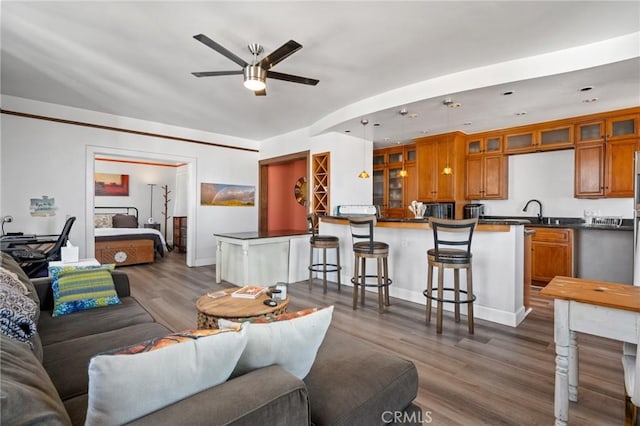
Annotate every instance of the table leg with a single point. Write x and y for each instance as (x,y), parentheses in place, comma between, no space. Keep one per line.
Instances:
(573,367)
(219,262)
(561,325)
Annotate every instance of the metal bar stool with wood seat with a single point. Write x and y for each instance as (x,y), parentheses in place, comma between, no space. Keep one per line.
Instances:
(323,242)
(451,233)
(364,247)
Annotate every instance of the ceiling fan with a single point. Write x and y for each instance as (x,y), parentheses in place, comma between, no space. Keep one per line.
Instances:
(256,73)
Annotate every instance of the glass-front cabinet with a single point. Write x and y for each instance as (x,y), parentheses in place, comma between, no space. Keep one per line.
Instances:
(392,168)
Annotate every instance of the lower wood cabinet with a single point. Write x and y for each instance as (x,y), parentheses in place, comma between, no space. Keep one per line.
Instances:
(551,254)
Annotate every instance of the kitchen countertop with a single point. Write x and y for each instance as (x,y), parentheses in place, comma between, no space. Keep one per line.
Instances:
(562,222)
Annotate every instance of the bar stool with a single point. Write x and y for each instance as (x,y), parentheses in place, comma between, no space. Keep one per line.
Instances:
(457,233)
(323,242)
(364,247)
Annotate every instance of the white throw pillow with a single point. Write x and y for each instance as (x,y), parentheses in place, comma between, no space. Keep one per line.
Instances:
(288,340)
(128,384)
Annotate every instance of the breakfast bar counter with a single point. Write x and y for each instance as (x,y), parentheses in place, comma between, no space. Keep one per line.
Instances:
(498,263)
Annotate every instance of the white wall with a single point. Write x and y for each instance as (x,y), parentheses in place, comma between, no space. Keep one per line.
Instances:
(49,158)
(549,177)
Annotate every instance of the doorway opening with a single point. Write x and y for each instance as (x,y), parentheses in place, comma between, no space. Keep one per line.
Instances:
(185,178)
(284,193)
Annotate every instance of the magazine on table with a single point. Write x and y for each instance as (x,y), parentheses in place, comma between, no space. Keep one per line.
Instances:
(249,292)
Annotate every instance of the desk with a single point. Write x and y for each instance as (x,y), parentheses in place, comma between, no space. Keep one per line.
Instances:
(260,258)
(14,242)
(594,307)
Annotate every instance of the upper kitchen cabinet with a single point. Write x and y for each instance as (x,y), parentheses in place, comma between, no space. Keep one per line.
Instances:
(603,128)
(393,176)
(534,138)
(605,147)
(484,144)
(486,167)
(441,169)
(487,177)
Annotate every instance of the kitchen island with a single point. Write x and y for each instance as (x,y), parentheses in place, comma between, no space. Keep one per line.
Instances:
(498,263)
(262,258)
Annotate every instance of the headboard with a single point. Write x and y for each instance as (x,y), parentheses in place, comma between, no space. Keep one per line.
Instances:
(103,216)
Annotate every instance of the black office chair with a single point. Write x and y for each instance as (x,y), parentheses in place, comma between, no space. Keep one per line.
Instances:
(35,262)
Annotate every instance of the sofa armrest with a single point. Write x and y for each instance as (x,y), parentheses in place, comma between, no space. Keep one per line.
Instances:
(267,396)
(45,293)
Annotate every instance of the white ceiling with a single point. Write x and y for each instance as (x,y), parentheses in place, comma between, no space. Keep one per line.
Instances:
(135,59)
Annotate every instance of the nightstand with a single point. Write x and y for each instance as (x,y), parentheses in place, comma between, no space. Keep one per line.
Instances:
(155,226)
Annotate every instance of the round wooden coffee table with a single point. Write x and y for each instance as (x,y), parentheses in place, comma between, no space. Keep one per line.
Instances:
(234,309)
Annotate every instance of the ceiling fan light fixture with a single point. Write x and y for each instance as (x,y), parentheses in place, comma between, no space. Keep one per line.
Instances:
(254,77)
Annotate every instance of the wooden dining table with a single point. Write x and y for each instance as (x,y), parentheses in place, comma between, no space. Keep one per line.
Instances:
(599,308)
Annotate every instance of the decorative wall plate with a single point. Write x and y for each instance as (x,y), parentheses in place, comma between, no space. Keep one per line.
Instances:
(300,191)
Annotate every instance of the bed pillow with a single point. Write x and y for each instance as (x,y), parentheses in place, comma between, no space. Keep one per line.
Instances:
(102,221)
(78,288)
(125,221)
(127,384)
(288,340)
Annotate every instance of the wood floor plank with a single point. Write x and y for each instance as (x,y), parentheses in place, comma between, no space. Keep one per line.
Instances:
(499,376)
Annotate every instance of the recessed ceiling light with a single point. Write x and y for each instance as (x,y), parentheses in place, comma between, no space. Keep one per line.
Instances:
(588,101)
(507,93)
(347,131)
(520,113)
(376,124)
(468,123)
(387,139)
(586,88)
(424,132)
(413,115)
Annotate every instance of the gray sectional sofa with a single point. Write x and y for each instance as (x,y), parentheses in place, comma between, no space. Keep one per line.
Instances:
(46,382)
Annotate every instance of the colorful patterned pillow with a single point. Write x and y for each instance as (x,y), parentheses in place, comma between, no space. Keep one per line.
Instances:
(172,368)
(77,288)
(102,221)
(288,340)
(18,314)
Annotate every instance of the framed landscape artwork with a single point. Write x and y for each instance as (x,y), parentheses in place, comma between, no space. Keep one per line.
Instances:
(220,194)
(108,184)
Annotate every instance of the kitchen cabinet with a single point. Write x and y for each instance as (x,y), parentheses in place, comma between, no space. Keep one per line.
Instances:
(551,254)
(486,167)
(605,149)
(539,139)
(180,233)
(484,144)
(392,182)
(487,177)
(433,155)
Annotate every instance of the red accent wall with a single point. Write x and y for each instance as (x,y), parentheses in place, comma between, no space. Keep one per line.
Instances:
(285,212)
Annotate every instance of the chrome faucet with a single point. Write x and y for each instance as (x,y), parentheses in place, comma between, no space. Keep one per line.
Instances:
(539,211)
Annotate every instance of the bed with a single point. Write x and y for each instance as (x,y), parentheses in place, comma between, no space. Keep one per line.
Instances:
(120,240)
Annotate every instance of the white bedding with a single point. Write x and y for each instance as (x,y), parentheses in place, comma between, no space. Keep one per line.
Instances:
(108,232)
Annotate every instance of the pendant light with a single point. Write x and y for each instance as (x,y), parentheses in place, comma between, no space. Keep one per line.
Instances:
(364,174)
(448,103)
(403,173)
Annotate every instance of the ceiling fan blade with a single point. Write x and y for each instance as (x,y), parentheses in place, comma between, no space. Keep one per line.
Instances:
(221,50)
(215,73)
(262,92)
(280,54)
(292,78)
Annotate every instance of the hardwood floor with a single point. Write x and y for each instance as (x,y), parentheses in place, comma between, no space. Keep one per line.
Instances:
(499,376)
